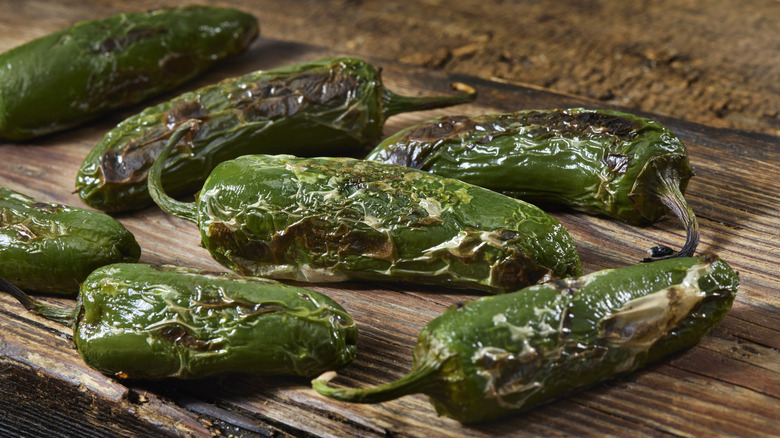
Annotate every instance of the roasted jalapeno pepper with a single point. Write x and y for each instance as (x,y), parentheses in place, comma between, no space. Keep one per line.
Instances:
(508,353)
(334,219)
(596,161)
(332,106)
(51,248)
(140,321)
(78,73)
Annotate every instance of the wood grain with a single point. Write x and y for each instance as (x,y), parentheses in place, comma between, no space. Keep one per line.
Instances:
(728,385)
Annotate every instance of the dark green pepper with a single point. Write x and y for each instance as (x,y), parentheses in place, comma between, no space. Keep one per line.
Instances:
(508,353)
(335,219)
(596,161)
(51,248)
(140,321)
(333,106)
(78,73)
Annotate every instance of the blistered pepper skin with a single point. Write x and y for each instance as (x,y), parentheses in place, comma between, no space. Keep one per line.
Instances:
(332,106)
(505,354)
(51,248)
(596,161)
(337,219)
(140,321)
(79,73)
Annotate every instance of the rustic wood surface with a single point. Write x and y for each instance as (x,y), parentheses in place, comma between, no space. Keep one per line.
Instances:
(727,385)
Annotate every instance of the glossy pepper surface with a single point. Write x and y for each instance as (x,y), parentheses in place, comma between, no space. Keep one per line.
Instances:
(141,321)
(335,219)
(508,353)
(78,73)
(333,106)
(51,248)
(596,161)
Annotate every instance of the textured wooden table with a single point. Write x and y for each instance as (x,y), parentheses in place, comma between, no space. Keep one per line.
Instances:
(728,385)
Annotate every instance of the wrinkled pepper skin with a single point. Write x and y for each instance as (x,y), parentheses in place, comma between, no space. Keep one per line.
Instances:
(79,73)
(51,248)
(596,161)
(138,321)
(189,324)
(333,106)
(337,219)
(505,354)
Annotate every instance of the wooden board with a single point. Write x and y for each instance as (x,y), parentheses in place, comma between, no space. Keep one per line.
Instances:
(729,384)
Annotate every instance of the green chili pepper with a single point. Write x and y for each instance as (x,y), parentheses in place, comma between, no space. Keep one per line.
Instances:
(508,353)
(51,248)
(596,161)
(78,73)
(335,219)
(333,106)
(140,321)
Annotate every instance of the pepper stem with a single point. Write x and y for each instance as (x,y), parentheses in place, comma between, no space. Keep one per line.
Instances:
(417,381)
(670,195)
(396,104)
(184,210)
(65,317)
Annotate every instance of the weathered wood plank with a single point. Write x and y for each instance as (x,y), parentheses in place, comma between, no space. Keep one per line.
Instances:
(727,385)
(46,386)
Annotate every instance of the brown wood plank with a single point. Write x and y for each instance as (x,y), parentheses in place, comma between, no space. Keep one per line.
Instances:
(727,385)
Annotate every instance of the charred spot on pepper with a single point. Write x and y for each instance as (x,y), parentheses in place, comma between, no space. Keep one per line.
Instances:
(469,246)
(351,184)
(181,112)
(274,107)
(23,233)
(316,235)
(617,126)
(114,170)
(617,330)
(561,286)
(589,353)
(324,87)
(312,233)
(128,165)
(407,156)
(508,368)
(248,309)
(488,138)
(131,37)
(354,180)
(367,244)
(430,221)
(177,334)
(616,163)
(274,98)
(225,239)
(441,129)
(508,235)
(123,166)
(491,361)
(673,293)
(518,270)
(578,124)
